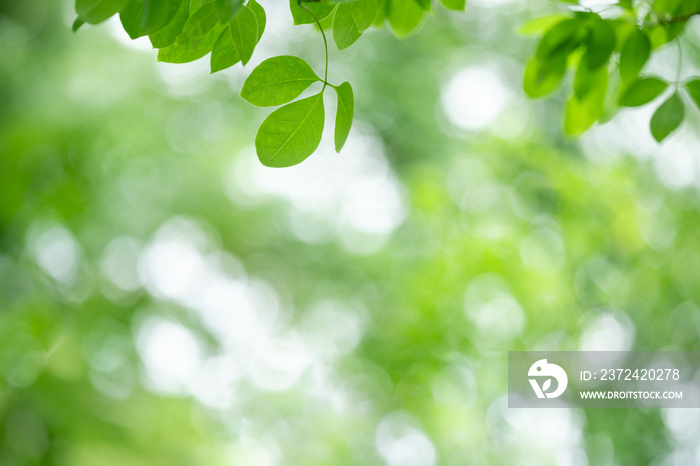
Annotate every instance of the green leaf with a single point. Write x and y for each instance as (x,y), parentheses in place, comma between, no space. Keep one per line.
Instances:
(693,88)
(291,133)
(667,118)
(77,23)
(345,31)
(364,12)
(301,16)
(634,54)
(157,13)
(559,40)
(96,11)
(244,33)
(457,5)
(642,91)
(228,8)
(405,17)
(537,25)
(278,80)
(168,34)
(200,23)
(190,51)
(224,54)
(260,16)
(600,45)
(425,5)
(586,79)
(582,113)
(543,78)
(130,18)
(344,114)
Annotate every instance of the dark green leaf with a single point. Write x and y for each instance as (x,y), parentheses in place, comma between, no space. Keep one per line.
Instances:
(600,45)
(559,40)
(301,16)
(200,23)
(345,31)
(244,33)
(130,18)
(77,23)
(168,34)
(96,11)
(278,80)
(344,114)
(642,91)
(291,133)
(634,54)
(667,117)
(158,13)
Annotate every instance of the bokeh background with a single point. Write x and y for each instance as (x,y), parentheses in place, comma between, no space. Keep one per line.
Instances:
(167,300)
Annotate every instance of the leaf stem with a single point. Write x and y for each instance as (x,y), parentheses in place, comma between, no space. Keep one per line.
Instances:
(325,42)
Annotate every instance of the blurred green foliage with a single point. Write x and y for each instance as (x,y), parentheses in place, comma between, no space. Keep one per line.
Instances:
(164,299)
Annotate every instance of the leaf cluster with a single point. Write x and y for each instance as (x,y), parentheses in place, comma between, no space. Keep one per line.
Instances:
(607,56)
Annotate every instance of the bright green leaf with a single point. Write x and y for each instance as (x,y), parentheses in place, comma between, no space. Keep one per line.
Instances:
(457,5)
(224,54)
(344,114)
(405,17)
(345,31)
(260,16)
(667,118)
(244,33)
(582,113)
(200,23)
(586,79)
(693,88)
(96,11)
(228,8)
(301,16)
(634,54)
(364,12)
(642,91)
(278,80)
(190,51)
(543,78)
(542,23)
(291,133)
